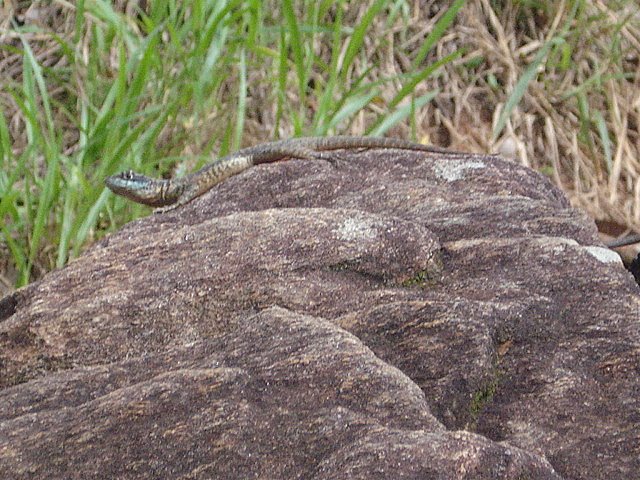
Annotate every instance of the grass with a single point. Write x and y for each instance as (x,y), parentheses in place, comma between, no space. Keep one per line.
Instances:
(90,91)
(138,91)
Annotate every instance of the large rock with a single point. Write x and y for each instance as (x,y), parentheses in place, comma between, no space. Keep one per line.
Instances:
(392,315)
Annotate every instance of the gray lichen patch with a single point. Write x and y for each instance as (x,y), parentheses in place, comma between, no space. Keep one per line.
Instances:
(604,255)
(356,228)
(456,169)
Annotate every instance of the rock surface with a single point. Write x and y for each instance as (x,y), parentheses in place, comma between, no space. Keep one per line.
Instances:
(393,315)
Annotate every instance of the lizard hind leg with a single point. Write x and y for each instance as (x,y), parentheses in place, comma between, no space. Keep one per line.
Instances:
(324,155)
(332,156)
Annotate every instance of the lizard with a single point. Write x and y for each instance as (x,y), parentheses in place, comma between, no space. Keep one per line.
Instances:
(167,194)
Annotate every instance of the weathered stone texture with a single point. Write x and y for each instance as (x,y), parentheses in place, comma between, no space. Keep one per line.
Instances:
(392,315)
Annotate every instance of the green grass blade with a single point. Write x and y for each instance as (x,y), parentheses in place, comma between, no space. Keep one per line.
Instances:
(242,101)
(400,114)
(605,139)
(327,98)
(357,38)
(295,42)
(438,31)
(351,106)
(409,87)
(522,84)
(6,154)
(532,70)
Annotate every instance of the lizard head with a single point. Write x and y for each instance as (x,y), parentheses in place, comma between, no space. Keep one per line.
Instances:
(140,188)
